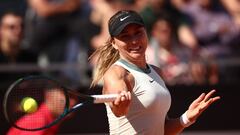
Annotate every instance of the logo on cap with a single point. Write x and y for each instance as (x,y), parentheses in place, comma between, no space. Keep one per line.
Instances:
(122,19)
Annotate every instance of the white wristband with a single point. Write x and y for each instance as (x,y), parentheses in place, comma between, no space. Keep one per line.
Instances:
(185,122)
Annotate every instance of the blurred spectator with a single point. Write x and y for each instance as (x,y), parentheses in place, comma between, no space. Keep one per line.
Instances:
(233,9)
(174,59)
(49,110)
(48,23)
(217,33)
(12,52)
(209,26)
(230,65)
(102,10)
(151,10)
(59,25)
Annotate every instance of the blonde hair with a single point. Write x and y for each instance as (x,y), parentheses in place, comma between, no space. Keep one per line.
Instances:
(106,56)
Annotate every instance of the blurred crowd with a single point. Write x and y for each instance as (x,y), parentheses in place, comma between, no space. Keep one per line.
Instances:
(195,42)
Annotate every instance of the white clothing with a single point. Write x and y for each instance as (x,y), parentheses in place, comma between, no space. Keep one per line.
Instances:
(150,103)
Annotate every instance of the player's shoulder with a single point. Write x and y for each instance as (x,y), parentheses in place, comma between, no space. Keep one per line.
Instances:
(116,72)
(117,78)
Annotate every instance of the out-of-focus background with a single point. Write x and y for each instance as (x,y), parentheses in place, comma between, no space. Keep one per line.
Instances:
(195,42)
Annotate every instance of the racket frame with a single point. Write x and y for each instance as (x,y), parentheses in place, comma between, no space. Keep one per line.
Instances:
(88,100)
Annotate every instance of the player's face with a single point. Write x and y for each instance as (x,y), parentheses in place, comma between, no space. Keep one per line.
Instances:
(132,42)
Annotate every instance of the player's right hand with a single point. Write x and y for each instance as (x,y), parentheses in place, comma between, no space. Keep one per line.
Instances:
(121,105)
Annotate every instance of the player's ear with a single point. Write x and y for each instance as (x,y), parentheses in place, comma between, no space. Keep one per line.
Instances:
(114,43)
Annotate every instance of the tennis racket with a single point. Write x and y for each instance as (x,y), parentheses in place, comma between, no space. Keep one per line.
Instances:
(29,100)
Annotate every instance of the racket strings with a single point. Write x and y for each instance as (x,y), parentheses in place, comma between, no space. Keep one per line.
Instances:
(49,97)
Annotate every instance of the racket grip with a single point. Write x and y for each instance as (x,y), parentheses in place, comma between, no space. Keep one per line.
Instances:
(104,98)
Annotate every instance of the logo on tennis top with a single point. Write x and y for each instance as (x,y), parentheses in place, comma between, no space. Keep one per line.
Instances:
(151,81)
(122,19)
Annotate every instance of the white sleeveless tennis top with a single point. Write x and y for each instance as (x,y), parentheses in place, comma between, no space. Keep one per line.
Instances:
(150,103)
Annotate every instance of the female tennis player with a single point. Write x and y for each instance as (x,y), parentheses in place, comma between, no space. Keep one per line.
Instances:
(144,100)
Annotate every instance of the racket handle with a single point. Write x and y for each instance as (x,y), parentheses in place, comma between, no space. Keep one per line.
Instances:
(104,98)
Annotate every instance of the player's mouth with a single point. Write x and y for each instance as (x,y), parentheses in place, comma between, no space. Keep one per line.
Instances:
(135,49)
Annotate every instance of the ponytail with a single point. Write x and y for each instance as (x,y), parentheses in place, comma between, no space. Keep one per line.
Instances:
(106,56)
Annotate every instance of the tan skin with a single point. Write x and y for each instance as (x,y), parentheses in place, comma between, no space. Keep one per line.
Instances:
(11,32)
(44,8)
(55,100)
(131,44)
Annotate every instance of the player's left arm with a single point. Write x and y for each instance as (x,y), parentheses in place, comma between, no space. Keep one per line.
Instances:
(196,108)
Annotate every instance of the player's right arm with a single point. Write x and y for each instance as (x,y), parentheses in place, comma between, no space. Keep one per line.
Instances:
(120,81)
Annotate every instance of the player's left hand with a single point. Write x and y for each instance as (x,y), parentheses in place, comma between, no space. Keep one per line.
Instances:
(200,104)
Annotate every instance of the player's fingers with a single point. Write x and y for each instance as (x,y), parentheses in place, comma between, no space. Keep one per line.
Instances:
(124,95)
(216,98)
(212,100)
(123,98)
(209,94)
(129,95)
(200,98)
(208,103)
(117,101)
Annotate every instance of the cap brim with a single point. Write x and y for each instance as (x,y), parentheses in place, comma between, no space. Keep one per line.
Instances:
(120,28)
